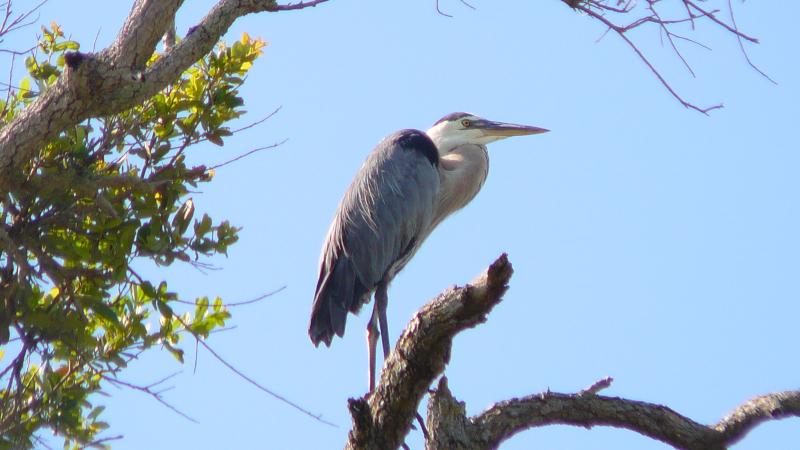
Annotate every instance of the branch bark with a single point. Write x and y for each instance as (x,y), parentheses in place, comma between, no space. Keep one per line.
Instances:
(381,419)
(115,79)
(449,428)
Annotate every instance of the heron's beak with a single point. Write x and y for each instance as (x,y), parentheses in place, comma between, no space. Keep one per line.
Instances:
(503,130)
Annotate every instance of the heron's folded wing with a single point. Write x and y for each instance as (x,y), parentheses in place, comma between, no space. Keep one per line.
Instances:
(384,216)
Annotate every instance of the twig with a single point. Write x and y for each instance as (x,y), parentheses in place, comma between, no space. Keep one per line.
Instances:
(439,10)
(19,21)
(250,380)
(242,303)
(246,154)
(299,5)
(598,386)
(741,46)
(621,33)
(149,391)
(464,2)
(258,122)
(97,443)
(608,14)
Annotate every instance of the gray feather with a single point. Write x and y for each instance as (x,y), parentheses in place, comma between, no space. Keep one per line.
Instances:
(381,222)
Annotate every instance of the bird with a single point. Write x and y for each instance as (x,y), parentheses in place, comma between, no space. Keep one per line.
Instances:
(408,184)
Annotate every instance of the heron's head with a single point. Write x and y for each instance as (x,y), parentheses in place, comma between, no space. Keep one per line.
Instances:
(461,128)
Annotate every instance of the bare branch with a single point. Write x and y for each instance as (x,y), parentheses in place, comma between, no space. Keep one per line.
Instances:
(299,5)
(9,24)
(747,416)
(739,38)
(621,30)
(250,380)
(597,386)
(624,16)
(450,428)
(381,419)
(248,153)
(259,121)
(439,10)
(99,443)
(149,391)
(242,303)
(442,13)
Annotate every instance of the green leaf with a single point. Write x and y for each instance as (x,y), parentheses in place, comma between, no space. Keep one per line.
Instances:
(105,311)
(214,139)
(148,289)
(164,308)
(201,307)
(176,352)
(95,412)
(203,226)
(183,216)
(103,199)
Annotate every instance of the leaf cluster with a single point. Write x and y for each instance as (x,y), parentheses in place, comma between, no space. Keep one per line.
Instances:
(98,200)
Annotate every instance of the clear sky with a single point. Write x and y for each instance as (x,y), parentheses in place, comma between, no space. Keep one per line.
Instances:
(650,243)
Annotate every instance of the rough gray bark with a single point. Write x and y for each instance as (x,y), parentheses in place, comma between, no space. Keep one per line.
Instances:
(115,79)
(382,419)
(449,428)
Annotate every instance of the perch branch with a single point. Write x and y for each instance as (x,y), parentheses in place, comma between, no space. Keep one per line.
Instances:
(381,419)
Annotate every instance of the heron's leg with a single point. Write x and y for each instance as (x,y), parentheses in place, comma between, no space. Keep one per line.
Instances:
(372,340)
(381,301)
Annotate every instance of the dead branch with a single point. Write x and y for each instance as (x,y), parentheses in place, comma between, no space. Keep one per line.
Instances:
(11,22)
(381,419)
(149,390)
(450,428)
(621,17)
(199,339)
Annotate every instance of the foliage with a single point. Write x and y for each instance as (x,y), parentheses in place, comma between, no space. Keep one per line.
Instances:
(101,197)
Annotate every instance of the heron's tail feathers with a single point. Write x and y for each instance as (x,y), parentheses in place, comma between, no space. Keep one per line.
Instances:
(339,291)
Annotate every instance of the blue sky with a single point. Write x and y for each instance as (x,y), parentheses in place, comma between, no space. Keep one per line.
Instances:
(650,243)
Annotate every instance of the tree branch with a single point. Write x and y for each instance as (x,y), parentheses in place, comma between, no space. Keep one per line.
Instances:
(450,428)
(137,39)
(381,419)
(624,16)
(114,80)
(747,416)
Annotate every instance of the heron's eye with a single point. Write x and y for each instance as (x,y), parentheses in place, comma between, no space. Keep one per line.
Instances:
(466,123)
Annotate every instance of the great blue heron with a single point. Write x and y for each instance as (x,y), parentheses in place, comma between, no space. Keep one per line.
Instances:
(407,186)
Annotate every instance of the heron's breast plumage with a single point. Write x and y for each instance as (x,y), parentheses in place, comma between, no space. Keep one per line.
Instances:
(462,172)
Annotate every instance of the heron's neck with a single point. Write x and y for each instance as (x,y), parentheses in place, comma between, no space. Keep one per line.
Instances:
(445,142)
(462,172)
